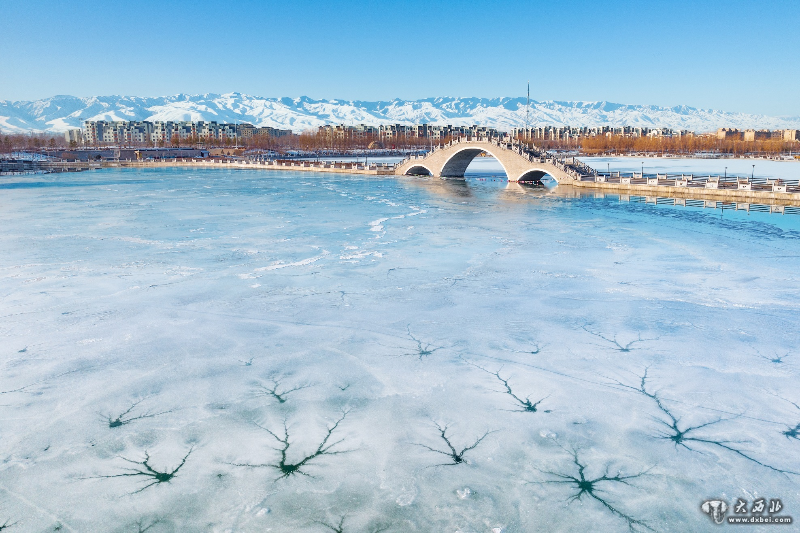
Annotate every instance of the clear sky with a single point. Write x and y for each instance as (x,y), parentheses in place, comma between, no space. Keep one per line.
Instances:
(732,55)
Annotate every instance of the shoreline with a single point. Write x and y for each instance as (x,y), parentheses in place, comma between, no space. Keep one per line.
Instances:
(657,156)
(298,165)
(721,195)
(745,196)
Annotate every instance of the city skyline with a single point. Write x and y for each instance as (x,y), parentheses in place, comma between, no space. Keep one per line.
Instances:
(300,114)
(736,56)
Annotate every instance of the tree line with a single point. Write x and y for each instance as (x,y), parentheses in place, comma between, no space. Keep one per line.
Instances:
(319,141)
(312,141)
(35,141)
(686,145)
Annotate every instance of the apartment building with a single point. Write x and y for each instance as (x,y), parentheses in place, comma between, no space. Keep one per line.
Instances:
(73,136)
(757,135)
(160,132)
(753,135)
(398,132)
(791,135)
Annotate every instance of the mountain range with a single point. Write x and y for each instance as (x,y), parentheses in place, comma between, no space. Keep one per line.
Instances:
(60,113)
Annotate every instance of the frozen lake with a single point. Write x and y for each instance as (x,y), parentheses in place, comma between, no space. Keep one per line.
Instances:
(250,351)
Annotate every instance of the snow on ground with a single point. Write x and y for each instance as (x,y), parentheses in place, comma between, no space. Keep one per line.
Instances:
(166,333)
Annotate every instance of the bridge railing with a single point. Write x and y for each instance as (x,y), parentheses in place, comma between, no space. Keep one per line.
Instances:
(574,168)
(580,171)
(724,182)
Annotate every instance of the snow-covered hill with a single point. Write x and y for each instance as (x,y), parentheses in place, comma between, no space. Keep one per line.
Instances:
(60,113)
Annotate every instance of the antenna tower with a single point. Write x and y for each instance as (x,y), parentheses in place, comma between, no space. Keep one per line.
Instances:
(527,109)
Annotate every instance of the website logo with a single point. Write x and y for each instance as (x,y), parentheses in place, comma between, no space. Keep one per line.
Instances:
(716,509)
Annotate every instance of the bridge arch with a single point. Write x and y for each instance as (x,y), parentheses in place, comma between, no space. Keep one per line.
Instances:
(534,175)
(456,165)
(452,160)
(419,170)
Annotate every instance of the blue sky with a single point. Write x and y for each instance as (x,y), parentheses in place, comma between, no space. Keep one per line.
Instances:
(733,55)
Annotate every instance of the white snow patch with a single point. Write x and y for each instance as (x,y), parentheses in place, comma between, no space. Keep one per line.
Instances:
(280,264)
(376,225)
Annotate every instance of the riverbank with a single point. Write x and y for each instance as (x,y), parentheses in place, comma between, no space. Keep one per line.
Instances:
(698,157)
(382,169)
(669,191)
(295,165)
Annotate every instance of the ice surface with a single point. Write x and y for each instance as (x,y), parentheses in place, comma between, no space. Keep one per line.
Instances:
(167,315)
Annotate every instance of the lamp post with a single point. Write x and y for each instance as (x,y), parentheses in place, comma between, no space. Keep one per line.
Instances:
(726,172)
(642,169)
(753,173)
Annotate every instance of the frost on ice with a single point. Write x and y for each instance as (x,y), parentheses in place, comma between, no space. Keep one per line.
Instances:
(517,360)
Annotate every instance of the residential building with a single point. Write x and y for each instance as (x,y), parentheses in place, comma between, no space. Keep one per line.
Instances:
(73,136)
(757,135)
(791,135)
(729,134)
(159,132)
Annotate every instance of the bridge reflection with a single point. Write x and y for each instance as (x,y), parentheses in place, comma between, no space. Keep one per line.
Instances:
(524,192)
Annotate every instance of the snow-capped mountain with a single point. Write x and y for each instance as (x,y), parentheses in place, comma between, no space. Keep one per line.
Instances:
(60,113)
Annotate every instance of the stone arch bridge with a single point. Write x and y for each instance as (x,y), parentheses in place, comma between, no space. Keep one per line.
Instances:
(451,161)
